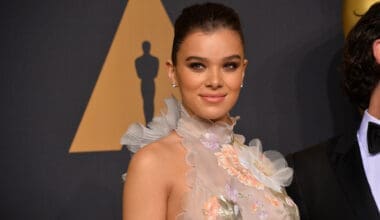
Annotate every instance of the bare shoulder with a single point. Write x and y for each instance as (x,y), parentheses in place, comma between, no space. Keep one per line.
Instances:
(152,172)
(160,154)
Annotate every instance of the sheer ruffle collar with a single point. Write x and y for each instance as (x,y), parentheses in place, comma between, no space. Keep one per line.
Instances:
(269,167)
(176,118)
(137,135)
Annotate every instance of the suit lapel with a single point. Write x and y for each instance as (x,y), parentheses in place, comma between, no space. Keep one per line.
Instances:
(347,163)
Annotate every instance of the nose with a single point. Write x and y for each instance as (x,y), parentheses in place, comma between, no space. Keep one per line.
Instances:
(214,79)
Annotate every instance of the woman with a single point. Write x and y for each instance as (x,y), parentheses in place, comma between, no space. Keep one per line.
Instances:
(189,164)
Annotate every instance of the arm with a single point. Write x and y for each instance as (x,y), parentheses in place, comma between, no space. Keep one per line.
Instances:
(145,189)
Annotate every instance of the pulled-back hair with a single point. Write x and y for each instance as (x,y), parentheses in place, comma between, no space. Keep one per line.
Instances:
(206,17)
(360,69)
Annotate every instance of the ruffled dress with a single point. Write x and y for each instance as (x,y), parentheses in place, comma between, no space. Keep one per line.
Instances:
(227,179)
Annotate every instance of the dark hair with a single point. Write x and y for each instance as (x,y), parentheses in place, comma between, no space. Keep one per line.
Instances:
(360,70)
(205,17)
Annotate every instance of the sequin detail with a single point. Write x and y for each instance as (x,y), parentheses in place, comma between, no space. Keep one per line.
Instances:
(219,206)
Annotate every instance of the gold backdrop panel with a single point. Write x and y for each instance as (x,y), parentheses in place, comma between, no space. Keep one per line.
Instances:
(352,9)
(116,100)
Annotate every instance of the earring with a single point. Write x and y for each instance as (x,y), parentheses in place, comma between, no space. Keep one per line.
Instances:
(241,85)
(174,85)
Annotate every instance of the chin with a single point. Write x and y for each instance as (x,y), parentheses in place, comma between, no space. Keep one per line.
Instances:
(214,112)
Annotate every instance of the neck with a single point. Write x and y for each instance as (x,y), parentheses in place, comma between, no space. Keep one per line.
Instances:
(374,103)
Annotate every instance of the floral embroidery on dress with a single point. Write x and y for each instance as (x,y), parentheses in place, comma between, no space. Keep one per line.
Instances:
(274,201)
(210,141)
(231,193)
(269,167)
(224,206)
(228,159)
(211,207)
(259,208)
(214,137)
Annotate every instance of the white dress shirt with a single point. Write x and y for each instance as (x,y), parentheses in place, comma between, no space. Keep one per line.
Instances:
(371,163)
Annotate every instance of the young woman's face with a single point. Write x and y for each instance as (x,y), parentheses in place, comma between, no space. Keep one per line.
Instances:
(209,72)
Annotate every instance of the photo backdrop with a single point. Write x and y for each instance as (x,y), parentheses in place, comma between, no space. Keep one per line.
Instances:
(59,58)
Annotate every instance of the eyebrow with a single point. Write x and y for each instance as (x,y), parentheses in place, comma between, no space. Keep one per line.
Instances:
(235,56)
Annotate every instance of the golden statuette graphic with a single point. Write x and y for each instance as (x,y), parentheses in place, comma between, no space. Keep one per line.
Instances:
(352,10)
(133,81)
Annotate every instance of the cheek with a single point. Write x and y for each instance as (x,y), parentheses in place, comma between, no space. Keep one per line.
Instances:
(233,82)
(189,81)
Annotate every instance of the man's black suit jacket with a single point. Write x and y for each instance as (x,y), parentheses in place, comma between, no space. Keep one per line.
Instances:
(330,183)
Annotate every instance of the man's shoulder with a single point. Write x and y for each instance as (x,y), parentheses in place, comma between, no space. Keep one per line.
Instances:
(317,150)
(322,152)
(330,145)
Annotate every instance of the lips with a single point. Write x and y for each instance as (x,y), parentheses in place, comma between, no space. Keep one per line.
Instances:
(213,98)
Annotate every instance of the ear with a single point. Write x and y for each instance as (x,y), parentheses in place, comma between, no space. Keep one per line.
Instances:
(245,62)
(171,72)
(376,50)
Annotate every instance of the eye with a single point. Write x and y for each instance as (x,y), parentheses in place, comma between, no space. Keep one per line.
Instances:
(197,66)
(230,66)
